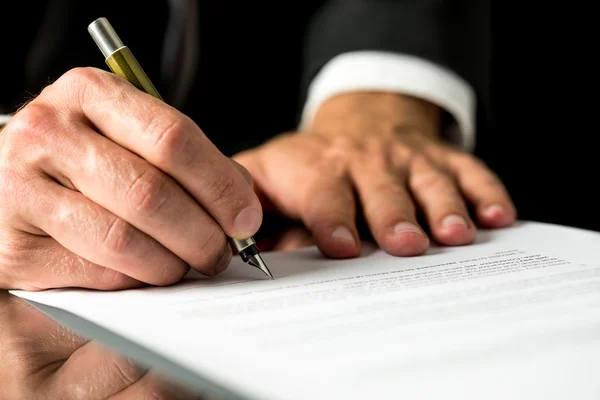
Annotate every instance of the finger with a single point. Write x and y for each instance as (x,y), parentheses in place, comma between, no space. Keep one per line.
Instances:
(87,229)
(134,190)
(329,212)
(387,206)
(442,203)
(49,265)
(167,139)
(490,199)
(157,386)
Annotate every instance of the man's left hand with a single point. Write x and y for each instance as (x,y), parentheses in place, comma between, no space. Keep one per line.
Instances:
(380,155)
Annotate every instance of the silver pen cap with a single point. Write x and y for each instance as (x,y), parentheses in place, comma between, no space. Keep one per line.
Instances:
(248,251)
(105,36)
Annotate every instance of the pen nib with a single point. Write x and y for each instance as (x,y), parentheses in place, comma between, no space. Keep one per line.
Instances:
(257,261)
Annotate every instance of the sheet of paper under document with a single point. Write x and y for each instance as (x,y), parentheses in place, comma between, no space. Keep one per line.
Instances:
(514,316)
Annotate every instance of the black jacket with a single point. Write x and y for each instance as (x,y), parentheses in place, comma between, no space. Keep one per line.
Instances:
(255,59)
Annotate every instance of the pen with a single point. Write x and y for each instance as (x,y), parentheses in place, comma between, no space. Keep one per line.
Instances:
(121,61)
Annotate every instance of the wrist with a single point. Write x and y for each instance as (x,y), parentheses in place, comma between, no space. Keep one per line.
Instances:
(384,113)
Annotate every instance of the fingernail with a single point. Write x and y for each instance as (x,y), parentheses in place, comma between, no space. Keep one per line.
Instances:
(454,219)
(493,211)
(247,222)
(342,233)
(401,227)
(224,261)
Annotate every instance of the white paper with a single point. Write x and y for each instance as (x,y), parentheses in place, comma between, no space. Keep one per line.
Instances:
(516,315)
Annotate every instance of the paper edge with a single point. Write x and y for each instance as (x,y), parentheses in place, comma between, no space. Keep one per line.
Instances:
(131,349)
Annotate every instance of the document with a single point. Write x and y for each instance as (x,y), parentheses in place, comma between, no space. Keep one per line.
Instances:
(514,316)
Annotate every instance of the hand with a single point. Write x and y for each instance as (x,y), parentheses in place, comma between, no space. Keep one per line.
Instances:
(385,148)
(103,186)
(40,359)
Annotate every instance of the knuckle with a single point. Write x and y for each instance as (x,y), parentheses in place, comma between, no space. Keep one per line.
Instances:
(222,191)
(338,155)
(343,145)
(80,74)
(79,77)
(30,126)
(390,198)
(376,152)
(430,181)
(339,149)
(380,157)
(147,193)
(170,140)
(77,82)
(118,236)
(404,154)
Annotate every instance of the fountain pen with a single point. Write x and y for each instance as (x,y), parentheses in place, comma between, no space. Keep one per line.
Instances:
(121,61)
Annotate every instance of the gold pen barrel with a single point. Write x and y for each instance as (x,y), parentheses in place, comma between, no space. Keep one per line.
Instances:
(119,57)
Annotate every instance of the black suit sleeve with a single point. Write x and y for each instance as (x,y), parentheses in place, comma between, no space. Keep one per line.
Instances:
(451,33)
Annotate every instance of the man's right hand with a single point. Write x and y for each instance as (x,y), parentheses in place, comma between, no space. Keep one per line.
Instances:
(103,186)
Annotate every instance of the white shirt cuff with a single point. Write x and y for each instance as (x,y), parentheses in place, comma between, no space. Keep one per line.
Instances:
(410,75)
(4,119)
